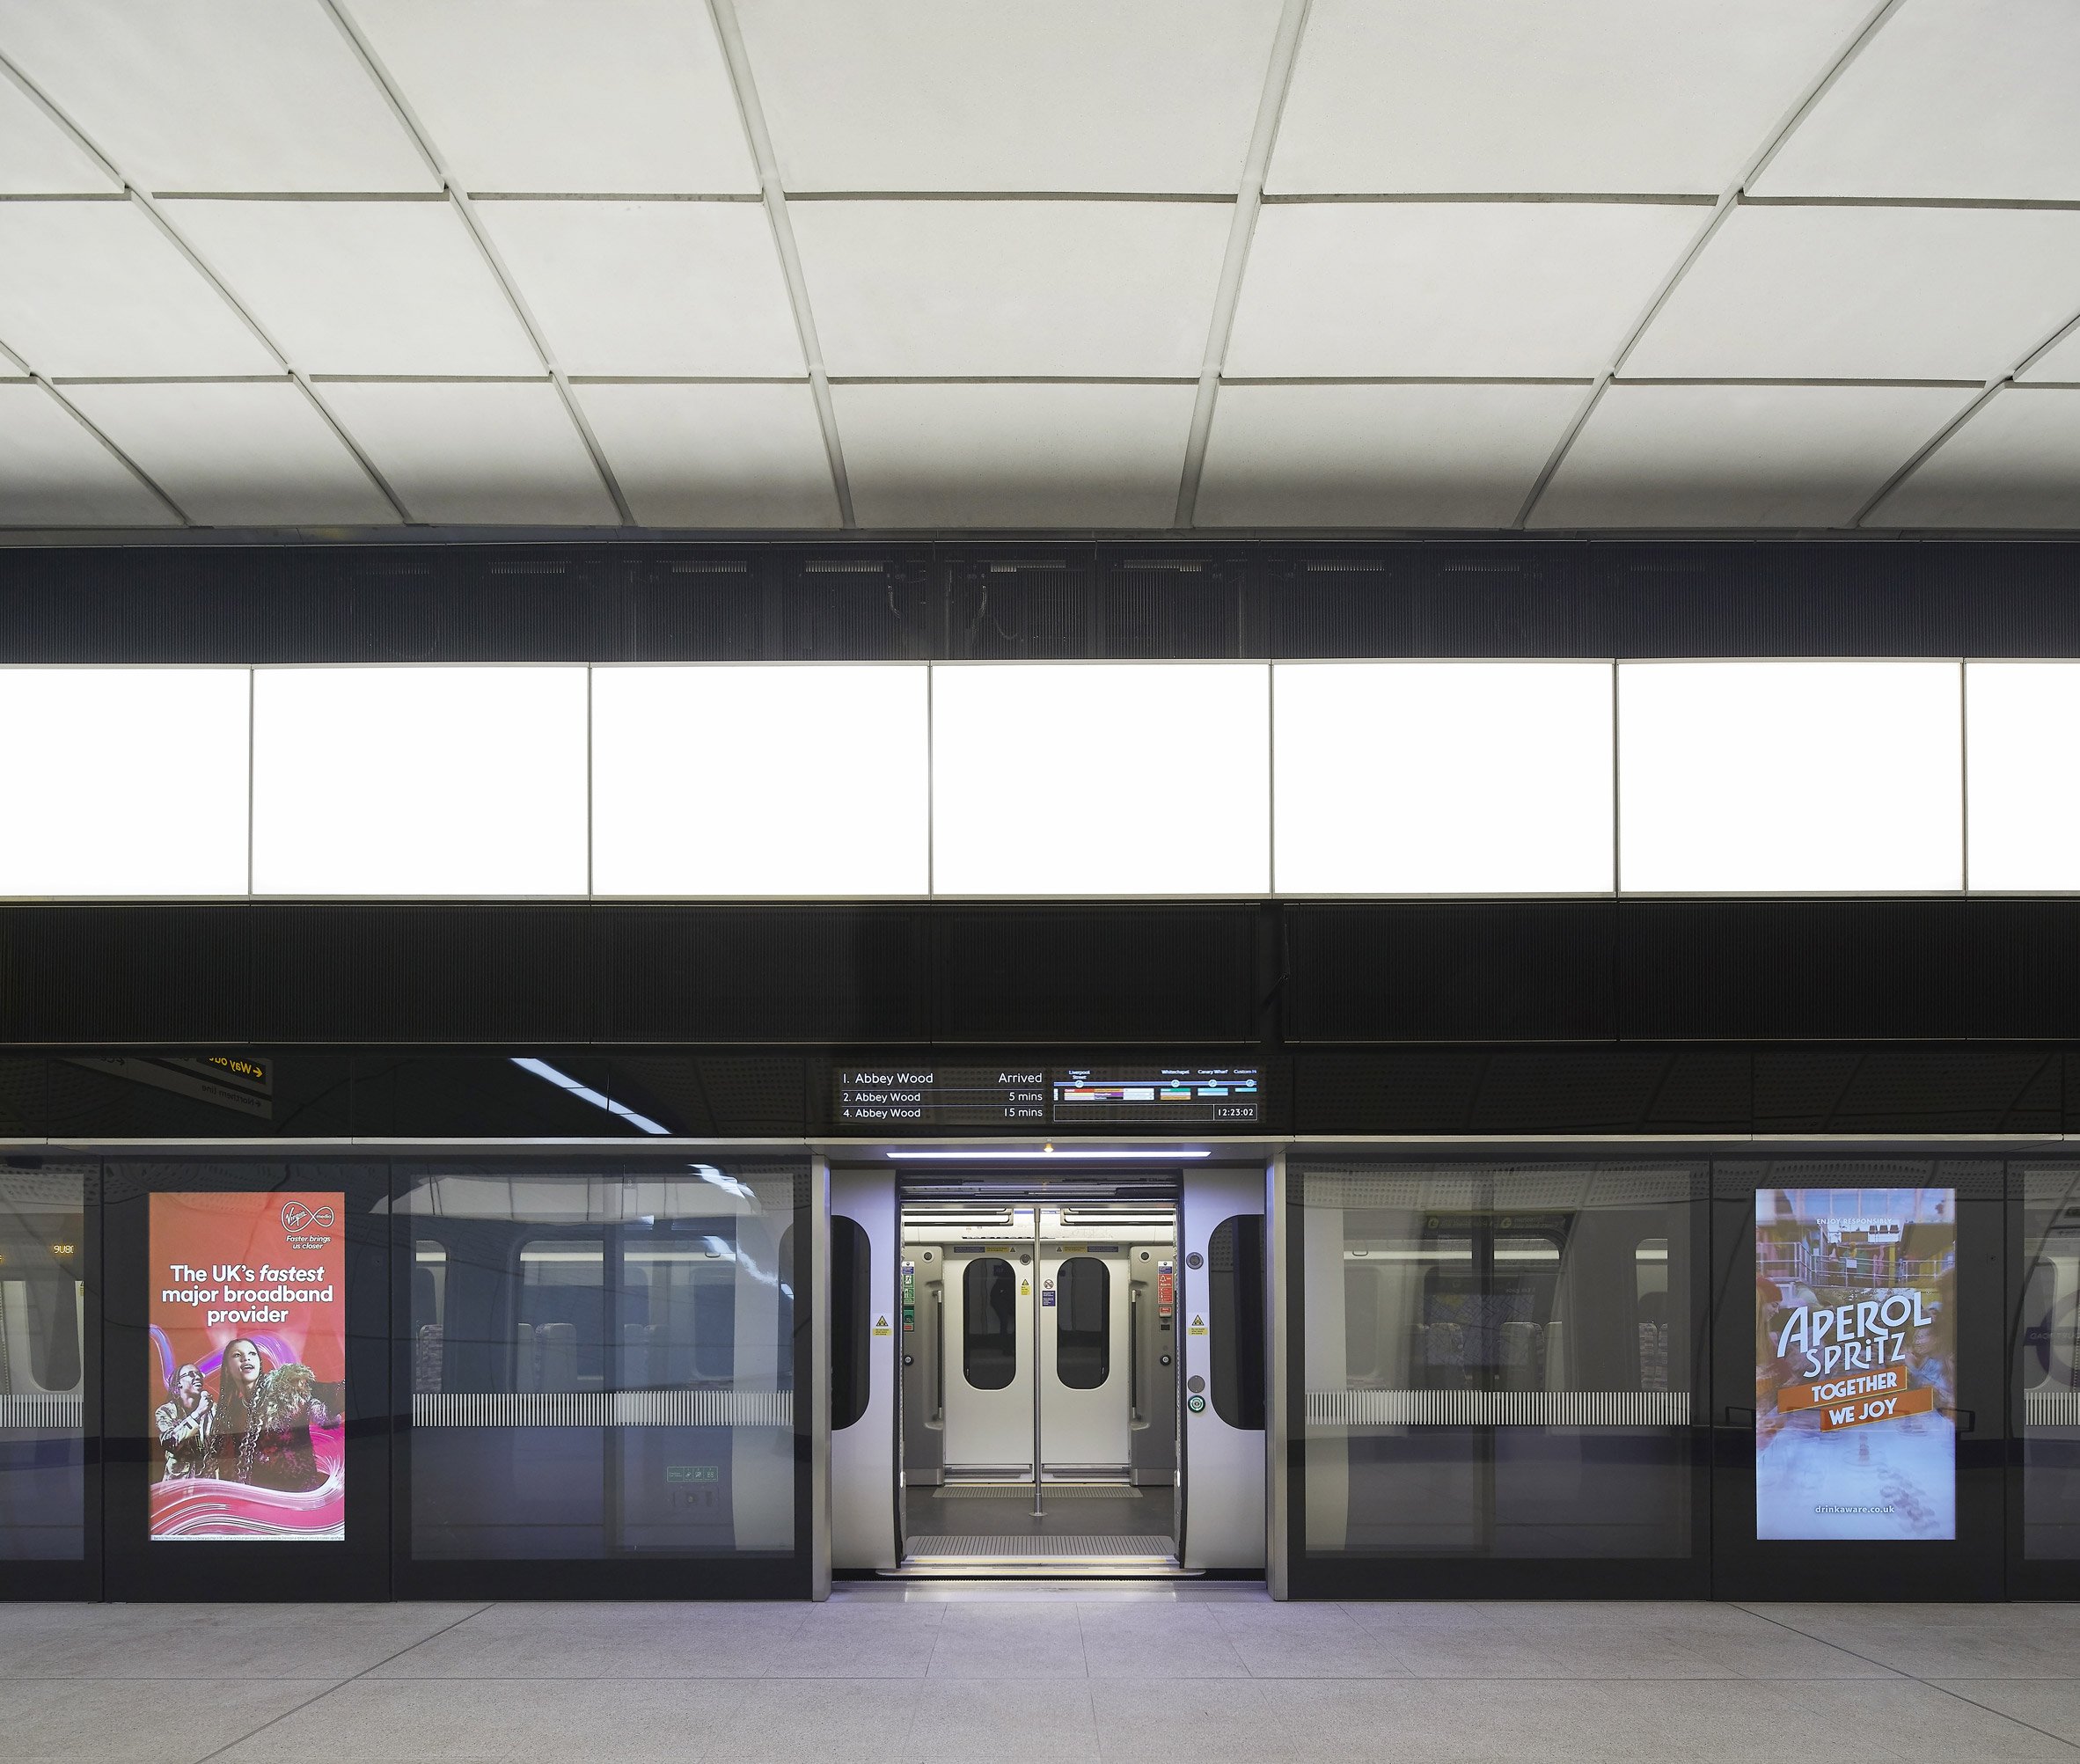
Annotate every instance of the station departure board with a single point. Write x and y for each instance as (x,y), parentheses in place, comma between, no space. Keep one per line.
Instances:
(1155,1095)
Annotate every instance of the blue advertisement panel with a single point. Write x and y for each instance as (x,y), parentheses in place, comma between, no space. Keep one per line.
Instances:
(1856,1364)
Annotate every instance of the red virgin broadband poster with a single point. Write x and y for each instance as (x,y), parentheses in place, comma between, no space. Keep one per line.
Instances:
(248,1315)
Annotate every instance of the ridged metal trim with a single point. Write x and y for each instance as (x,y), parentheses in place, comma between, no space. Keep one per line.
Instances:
(1498,1409)
(42,1413)
(604,1409)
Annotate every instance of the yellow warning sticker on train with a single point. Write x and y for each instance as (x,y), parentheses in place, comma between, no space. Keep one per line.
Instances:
(1198,1327)
(1025,1289)
(881,1326)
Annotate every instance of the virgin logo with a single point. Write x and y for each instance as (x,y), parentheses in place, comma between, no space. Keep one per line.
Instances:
(297,1217)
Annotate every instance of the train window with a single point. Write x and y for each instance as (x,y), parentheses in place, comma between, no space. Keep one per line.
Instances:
(989,1323)
(559,1339)
(1083,1323)
(1234,1320)
(850,1325)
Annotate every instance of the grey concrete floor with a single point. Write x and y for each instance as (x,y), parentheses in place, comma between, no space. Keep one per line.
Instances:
(1054,1672)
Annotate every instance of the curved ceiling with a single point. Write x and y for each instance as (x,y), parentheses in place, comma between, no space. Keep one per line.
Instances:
(1322,265)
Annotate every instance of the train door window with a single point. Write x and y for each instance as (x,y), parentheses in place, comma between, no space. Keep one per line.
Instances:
(1083,1322)
(989,1323)
(429,1274)
(851,1326)
(1650,1286)
(558,1339)
(1234,1320)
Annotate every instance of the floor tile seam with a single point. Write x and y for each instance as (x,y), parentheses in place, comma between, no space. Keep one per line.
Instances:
(332,1688)
(1915,1678)
(2000,1714)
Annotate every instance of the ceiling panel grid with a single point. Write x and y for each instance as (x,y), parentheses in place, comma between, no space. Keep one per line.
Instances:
(1685,265)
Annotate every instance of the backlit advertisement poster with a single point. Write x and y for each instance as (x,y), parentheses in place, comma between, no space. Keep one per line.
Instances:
(1856,1364)
(248,1318)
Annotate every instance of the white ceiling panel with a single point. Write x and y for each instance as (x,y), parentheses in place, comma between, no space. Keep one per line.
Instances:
(53,474)
(1951,98)
(95,287)
(716,456)
(243,453)
(629,96)
(216,94)
(1523,96)
(1890,293)
(1014,456)
(37,156)
(503,453)
(651,288)
(1450,287)
(363,288)
(2015,463)
(947,95)
(1012,287)
(1739,455)
(1379,456)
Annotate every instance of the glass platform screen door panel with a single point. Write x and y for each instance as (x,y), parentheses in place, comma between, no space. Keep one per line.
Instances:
(1497,1377)
(602,1366)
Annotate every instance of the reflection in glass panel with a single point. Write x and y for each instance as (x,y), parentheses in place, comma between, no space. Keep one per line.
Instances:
(989,1323)
(1083,1323)
(1496,1360)
(42,1364)
(2047,1351)
(602,1364)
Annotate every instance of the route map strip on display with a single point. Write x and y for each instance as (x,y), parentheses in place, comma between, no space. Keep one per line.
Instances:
(997,1096)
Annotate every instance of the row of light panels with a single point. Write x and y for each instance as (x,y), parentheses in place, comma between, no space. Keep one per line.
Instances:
(1057,779)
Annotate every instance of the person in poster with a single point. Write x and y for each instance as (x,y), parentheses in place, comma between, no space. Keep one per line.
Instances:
(247,1326)
(261,1424)
(184,1421)
(1856,1364)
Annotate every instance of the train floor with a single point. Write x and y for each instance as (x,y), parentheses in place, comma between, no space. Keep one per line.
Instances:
(1202,1672)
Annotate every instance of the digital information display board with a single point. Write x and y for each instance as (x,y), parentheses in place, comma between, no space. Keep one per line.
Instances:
(1058,1096)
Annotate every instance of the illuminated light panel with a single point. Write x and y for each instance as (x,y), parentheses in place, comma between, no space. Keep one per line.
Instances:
(761,780)
(123,781)
(1438,777)
(2023,740)
(1113,778)
(419,780)
(1789,776)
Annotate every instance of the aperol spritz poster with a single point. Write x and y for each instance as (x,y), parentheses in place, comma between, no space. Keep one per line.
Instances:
(1856,1364)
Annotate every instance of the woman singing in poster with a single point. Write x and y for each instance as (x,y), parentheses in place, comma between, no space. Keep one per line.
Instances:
(260,1430)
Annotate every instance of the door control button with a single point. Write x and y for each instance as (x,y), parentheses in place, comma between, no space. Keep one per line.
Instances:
(1196,1404)
(1195,1260)
(1166,1360)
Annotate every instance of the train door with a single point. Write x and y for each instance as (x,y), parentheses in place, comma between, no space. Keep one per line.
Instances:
(1091,1375)
(984,1322)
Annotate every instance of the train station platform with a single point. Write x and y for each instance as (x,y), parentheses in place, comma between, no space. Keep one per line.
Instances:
(941,1671)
